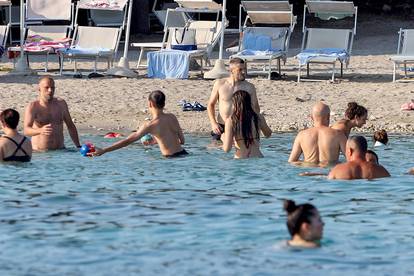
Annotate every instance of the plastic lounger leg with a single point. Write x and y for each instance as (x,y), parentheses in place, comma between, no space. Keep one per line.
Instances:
(333,72)
(405,69)
(307,70)
(300,67)
(95,65)
(342,70)
(47,62)
(270,69)
(141,53)
(278,66)
(394,72)
(76,66)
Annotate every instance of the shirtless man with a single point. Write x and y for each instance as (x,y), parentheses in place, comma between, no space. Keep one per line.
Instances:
(222,93)
(163,126)
(44,119)
(319,144)
(357,167)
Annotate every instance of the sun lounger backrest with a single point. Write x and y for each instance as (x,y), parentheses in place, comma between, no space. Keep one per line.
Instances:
(328,38)
(48,32)
(97,37)
(278,35)
(49,10)
(3,34)
(408,42)
(199,4)
(205,32)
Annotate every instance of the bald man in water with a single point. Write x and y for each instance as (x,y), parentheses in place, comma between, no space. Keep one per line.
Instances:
(356,166)
(44,119)
(319,144)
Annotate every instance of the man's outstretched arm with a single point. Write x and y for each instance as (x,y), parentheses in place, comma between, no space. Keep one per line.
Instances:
(73,132)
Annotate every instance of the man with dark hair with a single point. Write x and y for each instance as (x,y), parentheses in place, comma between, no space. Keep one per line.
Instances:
(44,119)
(356,166)
(222,93)
(163,126)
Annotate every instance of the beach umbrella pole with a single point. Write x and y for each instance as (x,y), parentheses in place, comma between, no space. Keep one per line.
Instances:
(22,68)
(122,69)
(219,69)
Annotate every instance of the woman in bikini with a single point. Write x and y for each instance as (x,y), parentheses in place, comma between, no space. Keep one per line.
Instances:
(355,116)
(243,128)
(13,145)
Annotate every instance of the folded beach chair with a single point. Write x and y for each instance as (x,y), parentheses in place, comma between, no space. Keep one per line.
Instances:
(46,39)
(269,43)
(92,43)
(405,51)
(4,31)
(327,45)
(101,15)
(176,19)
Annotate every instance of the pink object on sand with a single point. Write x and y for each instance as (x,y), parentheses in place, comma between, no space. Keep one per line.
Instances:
(112,135)
(408,106)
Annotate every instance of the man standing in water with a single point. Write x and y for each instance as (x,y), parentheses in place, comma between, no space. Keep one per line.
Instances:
(222,93)
(44,119)
(357,166)
(319,144)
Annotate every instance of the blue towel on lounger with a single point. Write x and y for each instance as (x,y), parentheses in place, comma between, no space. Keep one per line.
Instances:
(168,64)
(257,42)
(308,54)
(86,51)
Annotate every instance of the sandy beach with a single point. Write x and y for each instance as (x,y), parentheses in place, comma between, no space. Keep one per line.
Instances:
(108,103)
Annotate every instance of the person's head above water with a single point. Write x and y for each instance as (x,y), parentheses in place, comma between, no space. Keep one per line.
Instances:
(156,99)
(356,148)
(304,224)
(320,114)
(356,113)
(9,118)
(371,156)
(238,69)
(243,116)
(381,136)
(46,88)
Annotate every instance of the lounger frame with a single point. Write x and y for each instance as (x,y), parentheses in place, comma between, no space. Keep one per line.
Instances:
(405,53)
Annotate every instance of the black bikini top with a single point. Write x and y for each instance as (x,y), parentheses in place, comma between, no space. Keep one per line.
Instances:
(14,157)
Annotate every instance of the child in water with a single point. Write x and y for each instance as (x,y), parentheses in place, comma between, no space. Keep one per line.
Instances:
(304,224)
(380,138)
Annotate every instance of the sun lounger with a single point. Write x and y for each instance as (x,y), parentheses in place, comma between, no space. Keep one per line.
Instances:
(5,6)
(46,39)
(269,43)
(405,51)
(326,45)
(92,43)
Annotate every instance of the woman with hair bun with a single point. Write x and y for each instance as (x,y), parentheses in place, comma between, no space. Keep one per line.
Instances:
(304,224)
(355,116)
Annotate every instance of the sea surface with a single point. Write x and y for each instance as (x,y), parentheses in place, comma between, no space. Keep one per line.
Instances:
(134,212)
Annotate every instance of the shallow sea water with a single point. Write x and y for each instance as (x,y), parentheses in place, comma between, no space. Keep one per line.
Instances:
(134,212)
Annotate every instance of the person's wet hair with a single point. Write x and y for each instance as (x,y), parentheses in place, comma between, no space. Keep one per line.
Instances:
(243,116)
(355,110)
(297,215)
(373,153)
(381,136)
(157,97)
(237,61)
(10,118)
(359,142)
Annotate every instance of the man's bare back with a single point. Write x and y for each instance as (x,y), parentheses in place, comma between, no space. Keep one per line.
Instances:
(358,170)
(318,145)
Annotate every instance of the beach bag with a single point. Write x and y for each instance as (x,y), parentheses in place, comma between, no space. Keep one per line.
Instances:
(183,39)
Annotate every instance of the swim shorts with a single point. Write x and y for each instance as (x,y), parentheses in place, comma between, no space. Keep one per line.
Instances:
(215,136)
(177,154)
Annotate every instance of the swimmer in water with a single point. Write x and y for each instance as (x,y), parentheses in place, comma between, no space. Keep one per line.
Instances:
(304,224)
(371,156)
(380,138)
(164,127)
(355,116)
(243,128)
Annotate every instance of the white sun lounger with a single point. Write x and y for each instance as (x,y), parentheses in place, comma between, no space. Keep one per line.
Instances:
(405,51)
(41,11)
(92,43)
(5,29)
(207,31)
(176,19)
(279,20)
(326,45)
